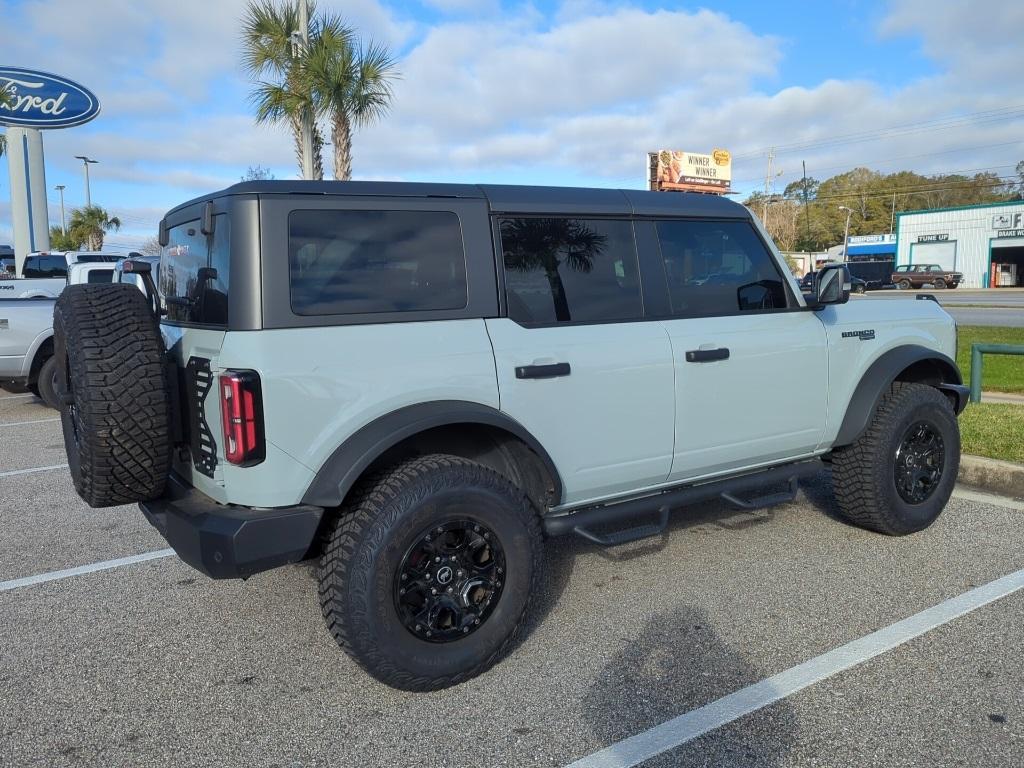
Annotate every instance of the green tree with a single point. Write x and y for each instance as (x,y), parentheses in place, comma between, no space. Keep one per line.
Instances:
(268,52)
(5,100)
(257,173)
(350,83)
(546,244)
(90,224)
(64,241)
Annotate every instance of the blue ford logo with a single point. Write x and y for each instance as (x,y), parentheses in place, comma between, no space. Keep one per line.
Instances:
(41,100)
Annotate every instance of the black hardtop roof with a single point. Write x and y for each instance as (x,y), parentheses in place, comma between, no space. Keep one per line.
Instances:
(506,198)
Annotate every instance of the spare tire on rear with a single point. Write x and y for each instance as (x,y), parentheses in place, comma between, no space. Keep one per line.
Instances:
(112,387)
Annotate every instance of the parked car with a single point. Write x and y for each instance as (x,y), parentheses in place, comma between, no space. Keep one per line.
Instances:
(44,274)
(7,268)
(415,383)
(856,284)
(920,275)
(26,341)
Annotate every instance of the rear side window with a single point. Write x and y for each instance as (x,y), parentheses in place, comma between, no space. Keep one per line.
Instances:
(570,270)
(355,262)
(718,268)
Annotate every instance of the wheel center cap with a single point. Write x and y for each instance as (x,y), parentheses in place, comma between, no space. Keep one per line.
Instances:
(444,575)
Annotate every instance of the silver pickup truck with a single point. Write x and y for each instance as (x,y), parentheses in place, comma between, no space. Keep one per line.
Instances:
(26,329)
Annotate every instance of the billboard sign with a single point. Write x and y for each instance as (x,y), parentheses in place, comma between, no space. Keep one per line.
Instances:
(41,100)
(675,169)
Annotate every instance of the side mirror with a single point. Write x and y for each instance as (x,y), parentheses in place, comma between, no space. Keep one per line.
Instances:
(830,286)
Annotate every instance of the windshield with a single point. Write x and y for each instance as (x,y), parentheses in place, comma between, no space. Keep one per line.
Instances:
(193,274)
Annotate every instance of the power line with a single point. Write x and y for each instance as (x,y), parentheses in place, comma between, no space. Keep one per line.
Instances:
(953,121)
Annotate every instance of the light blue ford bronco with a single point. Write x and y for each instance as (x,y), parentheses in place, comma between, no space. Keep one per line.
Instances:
(416,383)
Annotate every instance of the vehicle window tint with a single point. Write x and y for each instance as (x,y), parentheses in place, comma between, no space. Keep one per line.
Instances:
(718,268)
(934,268)
(100,276)
(560,270)
(193,273)
(902,269)
(56,266)
(351,262)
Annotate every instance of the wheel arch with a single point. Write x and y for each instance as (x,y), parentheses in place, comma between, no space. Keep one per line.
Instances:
(909,363)
(466,429)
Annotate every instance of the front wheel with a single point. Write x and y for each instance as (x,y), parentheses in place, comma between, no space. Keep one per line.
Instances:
(939,284)
(427,572)
(859,289)
(47,383)
(898,476)
(903,285)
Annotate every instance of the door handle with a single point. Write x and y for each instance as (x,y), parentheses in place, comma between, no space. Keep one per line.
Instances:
(542,371)
(707,355)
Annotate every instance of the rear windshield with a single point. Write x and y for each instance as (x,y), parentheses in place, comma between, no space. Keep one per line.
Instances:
(193,274)
(45,266)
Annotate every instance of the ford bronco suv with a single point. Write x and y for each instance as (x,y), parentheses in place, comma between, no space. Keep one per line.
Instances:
(416,383)
(920,275)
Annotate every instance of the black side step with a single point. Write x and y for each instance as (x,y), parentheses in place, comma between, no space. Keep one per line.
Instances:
(581,521)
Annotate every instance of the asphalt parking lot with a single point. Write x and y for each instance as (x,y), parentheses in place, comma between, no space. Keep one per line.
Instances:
(151,664)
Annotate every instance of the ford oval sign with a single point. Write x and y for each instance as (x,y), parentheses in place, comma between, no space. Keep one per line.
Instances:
(39,100)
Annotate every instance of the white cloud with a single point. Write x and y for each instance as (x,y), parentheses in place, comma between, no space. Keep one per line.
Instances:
(580,93)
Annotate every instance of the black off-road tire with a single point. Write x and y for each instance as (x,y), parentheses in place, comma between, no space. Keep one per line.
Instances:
(863,474)
(112,386)
(368,541)
(939,284)
(47,383)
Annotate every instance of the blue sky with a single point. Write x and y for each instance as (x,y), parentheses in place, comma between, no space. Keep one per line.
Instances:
(555,92)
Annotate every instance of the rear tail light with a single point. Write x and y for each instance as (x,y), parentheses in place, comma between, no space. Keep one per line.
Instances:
(241,406)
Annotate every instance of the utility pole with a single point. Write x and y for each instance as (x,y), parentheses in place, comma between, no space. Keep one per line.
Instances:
(846,232)
(767,187)
(307,117)
(63,225)
(807,207)
(892,218)
(86,161)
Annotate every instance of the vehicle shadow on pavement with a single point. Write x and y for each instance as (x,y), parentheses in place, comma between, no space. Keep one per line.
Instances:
(676,664)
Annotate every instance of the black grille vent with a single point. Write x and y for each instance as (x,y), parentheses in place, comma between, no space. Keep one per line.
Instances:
(198,383)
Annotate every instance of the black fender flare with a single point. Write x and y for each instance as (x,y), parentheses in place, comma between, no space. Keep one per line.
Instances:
(350,459)
(881,373)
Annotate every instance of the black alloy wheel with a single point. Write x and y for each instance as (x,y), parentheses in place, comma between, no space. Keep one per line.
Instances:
(920,460)
(449,581)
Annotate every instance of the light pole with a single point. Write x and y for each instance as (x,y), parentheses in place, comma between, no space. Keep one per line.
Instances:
(86,161)
(846,232)
(300,44)
(63,225)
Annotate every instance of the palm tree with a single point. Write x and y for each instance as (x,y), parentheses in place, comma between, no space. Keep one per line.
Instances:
(267,51)
(5,98)
(90,224)
(350,84)
(545,244)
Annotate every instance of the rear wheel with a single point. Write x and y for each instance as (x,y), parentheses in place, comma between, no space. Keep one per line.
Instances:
(903,285)
(112,387)
(898,476)
(427,572)
(47,383)
(858,288)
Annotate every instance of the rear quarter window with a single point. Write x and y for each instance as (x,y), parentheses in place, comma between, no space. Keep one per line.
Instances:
(364,261)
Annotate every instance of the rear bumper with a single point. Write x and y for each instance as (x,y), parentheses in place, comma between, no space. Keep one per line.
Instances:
(228,542)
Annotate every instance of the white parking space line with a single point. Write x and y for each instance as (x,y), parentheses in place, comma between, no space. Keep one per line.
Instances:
(987,498)
(23,423)
(16,397)
(689,726)
(32,470)
(105,565)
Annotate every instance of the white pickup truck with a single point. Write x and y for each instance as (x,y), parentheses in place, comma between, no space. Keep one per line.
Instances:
(26,327)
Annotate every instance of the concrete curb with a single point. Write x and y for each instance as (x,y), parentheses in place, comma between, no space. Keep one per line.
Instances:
(1002,477)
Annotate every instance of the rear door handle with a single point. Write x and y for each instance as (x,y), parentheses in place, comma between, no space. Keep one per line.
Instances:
(707,355)
(542,371)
